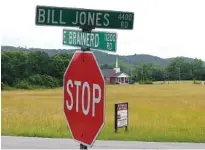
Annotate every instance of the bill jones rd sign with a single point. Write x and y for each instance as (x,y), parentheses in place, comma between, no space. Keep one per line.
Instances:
(94,40)
(75,17)
(84,97)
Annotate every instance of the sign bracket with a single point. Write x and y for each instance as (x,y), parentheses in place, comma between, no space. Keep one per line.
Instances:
(86,29)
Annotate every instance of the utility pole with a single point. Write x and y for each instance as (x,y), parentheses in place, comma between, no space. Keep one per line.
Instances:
(142,74)
(192,76)
(164,76)
(179,74)
(131,80)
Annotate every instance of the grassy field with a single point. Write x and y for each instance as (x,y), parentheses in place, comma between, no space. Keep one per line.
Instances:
(171,112)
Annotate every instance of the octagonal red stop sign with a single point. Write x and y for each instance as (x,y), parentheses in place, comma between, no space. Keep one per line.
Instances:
(84,100)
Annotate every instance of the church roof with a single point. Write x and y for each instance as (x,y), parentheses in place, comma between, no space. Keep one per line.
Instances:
(107,72)
(111,73)
(122,74)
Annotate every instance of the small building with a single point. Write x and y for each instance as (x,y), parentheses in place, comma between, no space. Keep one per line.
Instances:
(115,76)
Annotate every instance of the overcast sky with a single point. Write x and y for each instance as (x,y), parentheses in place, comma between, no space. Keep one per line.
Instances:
(164,28)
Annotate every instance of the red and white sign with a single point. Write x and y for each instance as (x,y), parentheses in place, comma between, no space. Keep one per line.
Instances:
(84,100)
(122,114)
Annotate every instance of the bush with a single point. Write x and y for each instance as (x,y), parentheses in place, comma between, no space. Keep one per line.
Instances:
(132,82)
(43,80)
(23,85)
(5,86)
(50,81)
(37,81)
(197,82)
(146,82)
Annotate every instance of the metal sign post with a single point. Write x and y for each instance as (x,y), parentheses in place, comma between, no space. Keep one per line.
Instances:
(85,29)
(83,146)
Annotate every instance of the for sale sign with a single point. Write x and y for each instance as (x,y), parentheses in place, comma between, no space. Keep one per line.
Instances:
(121,115)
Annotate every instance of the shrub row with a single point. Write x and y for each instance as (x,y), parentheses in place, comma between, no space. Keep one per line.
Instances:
(34,81)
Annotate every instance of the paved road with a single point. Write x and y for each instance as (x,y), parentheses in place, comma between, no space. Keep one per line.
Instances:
(10,142)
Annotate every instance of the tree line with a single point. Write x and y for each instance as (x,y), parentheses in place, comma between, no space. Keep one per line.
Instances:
(177,69)
(27,69)
(34,69)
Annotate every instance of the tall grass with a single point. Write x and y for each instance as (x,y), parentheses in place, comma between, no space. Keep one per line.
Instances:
(167,112)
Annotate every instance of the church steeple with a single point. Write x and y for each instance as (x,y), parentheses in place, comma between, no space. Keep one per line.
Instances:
(116,62)
(117,69)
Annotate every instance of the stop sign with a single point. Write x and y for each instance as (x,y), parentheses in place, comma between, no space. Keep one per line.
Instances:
(84,104)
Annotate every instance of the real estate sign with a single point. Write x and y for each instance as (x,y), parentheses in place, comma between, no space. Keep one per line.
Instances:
(121,115)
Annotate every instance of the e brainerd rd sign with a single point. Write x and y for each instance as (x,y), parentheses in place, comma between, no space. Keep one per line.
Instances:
(84,100)
(60,16)
(94,40)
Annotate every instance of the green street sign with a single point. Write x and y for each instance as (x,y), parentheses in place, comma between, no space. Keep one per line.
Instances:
(77,17)
(94,40)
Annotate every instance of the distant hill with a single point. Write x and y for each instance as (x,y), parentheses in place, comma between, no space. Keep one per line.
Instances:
(105,58)
(143,58)
(185,58)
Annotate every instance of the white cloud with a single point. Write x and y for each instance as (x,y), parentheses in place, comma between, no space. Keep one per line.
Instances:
(164,28)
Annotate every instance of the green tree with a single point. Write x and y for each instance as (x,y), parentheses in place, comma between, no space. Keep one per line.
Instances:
(197,69)
(59,63)
(158,74)
(179,69)
(38,63)
(143,72)
(203,74)
(124,67)
(14,66)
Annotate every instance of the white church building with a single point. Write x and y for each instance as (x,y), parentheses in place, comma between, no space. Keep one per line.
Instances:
(115,76)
